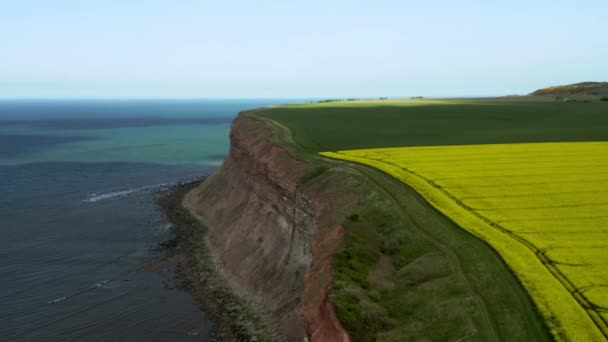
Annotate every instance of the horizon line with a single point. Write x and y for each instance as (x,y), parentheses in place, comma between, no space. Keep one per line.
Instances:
(220,98)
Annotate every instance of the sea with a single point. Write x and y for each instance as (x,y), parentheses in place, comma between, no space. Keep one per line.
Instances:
(79,222)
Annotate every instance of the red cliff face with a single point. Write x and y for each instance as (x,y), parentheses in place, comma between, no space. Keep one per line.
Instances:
(272,236)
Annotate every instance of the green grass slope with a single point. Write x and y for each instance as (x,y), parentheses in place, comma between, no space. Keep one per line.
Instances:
(406,272)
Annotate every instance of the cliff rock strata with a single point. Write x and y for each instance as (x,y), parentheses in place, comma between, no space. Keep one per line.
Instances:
(273,230)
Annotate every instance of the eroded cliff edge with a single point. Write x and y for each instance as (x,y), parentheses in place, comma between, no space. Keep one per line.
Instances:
(273,230)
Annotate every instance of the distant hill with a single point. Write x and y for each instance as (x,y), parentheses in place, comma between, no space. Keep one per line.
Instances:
(584,88)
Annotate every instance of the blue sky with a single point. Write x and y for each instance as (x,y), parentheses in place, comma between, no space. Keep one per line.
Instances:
(187,48)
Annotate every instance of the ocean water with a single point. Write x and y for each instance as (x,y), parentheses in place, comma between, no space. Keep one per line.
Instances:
(78,220)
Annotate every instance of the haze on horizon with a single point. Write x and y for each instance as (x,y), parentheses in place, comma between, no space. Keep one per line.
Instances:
(271,49)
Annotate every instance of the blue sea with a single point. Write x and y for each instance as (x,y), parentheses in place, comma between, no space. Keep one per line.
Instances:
(78,219)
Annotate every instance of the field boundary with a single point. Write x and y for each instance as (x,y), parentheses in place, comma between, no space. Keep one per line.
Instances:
(570,318)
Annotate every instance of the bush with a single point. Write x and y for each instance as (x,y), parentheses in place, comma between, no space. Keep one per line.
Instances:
(353,218)
(390,246)
(605,98)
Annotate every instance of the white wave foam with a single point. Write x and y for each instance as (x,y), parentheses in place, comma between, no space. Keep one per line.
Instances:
(57,300)
(109,195)
(122,193)
(100,284)
(167,226)
(104,283)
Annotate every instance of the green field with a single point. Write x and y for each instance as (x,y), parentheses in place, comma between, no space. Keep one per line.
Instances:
(356,125)
(407,272)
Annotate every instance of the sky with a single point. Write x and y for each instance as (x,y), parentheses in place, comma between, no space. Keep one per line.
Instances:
(297,49)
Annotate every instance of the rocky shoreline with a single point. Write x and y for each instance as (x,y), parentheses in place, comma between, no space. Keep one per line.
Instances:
(196,272)
(256,239)
(273,221)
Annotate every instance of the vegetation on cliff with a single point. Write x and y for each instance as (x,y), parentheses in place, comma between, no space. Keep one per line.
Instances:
(590,88)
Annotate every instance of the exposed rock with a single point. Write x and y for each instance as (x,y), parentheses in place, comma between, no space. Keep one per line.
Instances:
(272,237)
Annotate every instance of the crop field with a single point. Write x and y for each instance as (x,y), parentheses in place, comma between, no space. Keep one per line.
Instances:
(320,127)
(542,206)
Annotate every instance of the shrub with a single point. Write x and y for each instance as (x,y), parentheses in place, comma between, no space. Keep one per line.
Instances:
(353,218)
(605,98)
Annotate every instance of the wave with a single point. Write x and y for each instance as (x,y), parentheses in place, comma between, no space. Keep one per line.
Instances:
(57,300)
(103,284)
(127,192)
(110,195)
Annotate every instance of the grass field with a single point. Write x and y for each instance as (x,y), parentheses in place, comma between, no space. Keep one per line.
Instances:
(330,126)
(541,206)
(406,271)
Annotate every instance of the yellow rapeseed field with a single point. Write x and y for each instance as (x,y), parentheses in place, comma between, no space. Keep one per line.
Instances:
(542,206)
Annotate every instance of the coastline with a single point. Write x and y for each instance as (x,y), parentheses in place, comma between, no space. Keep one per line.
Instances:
(197,273)
(289,249)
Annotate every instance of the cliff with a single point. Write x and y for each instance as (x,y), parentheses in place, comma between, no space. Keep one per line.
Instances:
(273,231)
